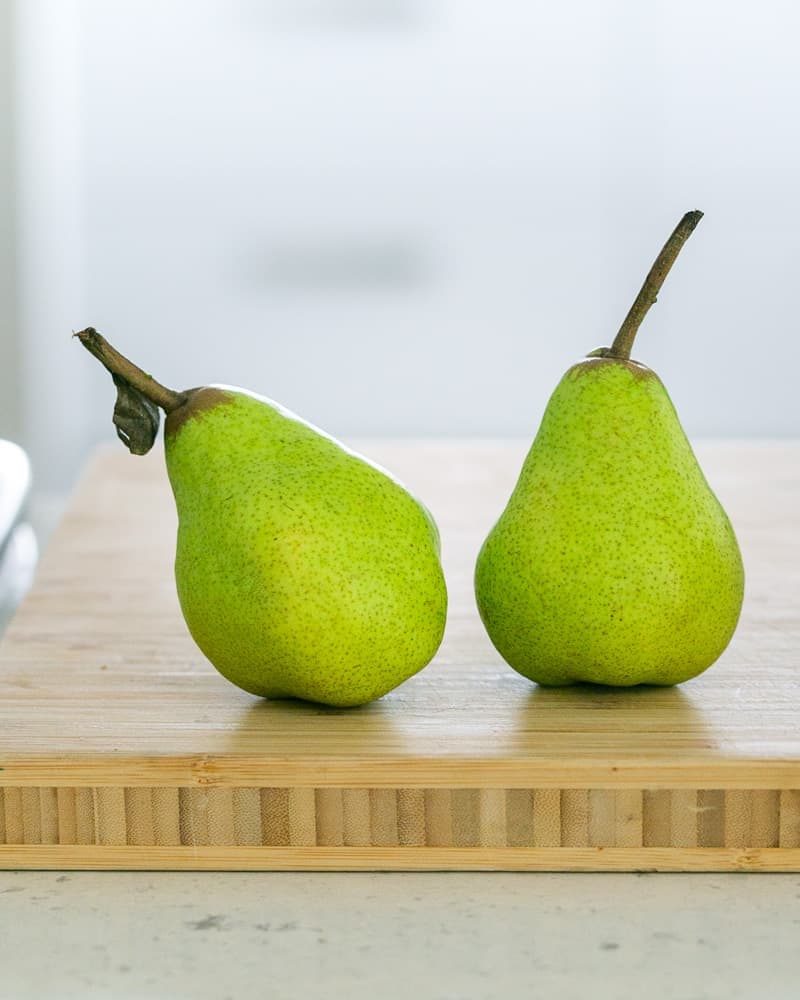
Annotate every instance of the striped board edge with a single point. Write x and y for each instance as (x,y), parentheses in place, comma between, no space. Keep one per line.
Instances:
(399,828)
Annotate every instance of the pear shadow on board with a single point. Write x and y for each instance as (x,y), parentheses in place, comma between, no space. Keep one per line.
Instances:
(306,728)
(648,712)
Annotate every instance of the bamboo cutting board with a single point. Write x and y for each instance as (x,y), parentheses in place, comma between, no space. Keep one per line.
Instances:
(121,747)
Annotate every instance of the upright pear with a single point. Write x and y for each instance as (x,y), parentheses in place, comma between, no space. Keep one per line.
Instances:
(613,561)
(303,570)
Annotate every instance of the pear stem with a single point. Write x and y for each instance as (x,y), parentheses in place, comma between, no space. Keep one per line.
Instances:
(623,342)
(117,364)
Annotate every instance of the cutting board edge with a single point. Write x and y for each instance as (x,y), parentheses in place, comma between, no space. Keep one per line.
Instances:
(638,859)
(235,771)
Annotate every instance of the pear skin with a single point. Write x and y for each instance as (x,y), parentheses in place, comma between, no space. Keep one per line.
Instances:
(302,569)
(613,562)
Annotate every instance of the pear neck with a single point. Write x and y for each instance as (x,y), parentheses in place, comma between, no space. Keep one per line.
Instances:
(197,402)
(595,361)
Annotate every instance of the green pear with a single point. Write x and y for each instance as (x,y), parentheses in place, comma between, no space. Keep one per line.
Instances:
(613,561)
(303,570)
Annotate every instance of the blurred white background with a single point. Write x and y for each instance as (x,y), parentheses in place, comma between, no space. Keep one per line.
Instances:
(398,217)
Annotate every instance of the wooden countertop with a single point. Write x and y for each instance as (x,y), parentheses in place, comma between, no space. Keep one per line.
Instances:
(98,672)
(121,746)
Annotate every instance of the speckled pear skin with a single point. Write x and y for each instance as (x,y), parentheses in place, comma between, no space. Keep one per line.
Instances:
(613,562)
(302,569)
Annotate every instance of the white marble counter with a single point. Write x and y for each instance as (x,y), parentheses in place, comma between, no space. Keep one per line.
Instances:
(420,936)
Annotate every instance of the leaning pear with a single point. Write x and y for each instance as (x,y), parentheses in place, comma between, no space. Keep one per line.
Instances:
(303,570)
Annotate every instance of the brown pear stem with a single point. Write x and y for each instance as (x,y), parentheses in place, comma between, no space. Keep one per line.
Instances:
(623,342)
(117,364)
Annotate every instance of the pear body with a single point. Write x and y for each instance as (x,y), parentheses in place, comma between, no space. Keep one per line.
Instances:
(613,562)
(302,569)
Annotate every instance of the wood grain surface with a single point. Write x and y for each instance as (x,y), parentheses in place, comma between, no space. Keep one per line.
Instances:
(119,742)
